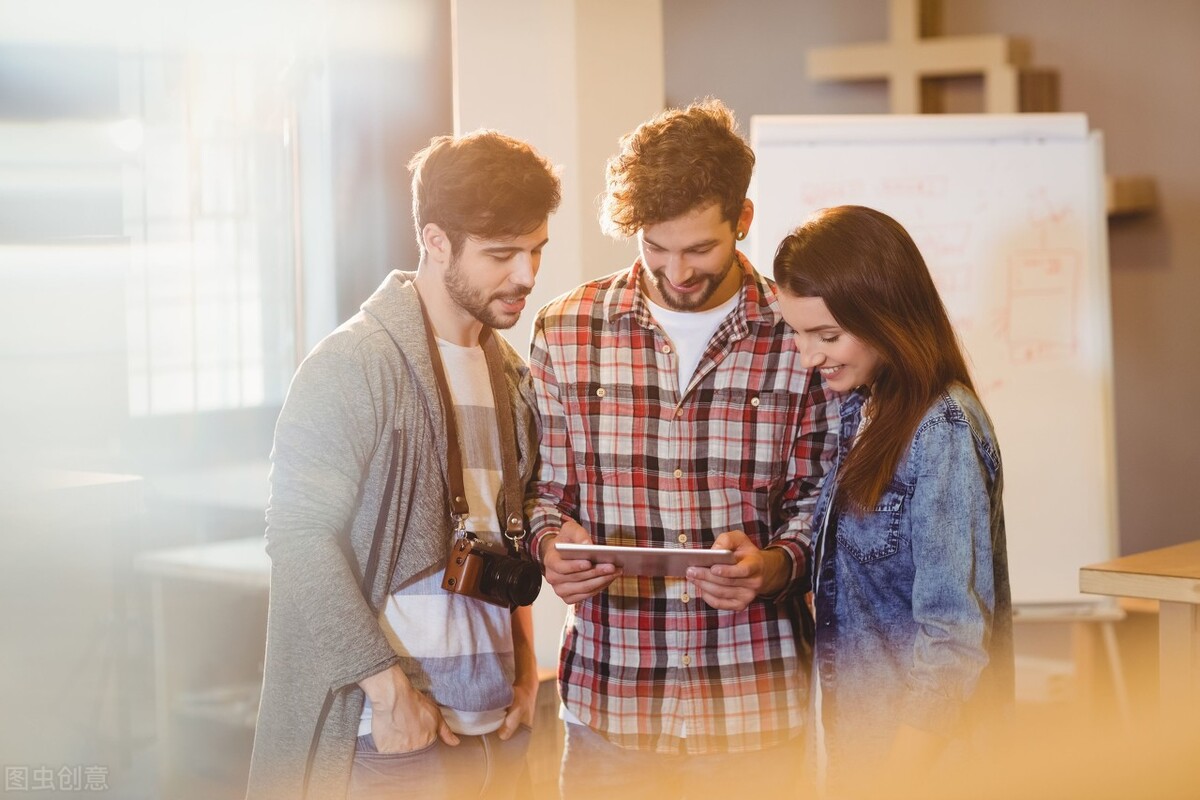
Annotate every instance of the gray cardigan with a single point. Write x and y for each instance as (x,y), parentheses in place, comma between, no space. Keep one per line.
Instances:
(367,385)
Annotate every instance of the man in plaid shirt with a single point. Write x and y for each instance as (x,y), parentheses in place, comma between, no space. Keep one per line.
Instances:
(675,413)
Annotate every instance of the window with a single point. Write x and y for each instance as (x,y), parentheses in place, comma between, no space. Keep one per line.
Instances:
(209,211)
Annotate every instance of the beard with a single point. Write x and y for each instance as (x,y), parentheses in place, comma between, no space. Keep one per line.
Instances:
(476,303)
(689,302)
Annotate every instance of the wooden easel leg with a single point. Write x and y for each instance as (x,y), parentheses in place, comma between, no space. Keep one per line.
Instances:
(1120,688)
(1083,637)
(1083,653)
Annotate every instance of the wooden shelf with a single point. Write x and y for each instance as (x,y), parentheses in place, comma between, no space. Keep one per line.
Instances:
(911,62)
(1126,195)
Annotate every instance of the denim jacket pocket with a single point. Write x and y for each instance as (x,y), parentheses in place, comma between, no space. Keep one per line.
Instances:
(876,535)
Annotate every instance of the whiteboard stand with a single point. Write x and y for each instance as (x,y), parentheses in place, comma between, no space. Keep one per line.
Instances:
(1081,618)
(1008,211)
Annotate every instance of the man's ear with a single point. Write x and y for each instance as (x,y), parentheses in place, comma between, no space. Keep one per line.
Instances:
(437,243)
(742,227)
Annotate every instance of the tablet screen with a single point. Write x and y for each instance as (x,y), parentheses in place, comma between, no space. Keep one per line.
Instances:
(657,561)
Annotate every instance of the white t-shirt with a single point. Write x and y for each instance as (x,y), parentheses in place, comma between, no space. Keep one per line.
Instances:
(456,649)
(690,332)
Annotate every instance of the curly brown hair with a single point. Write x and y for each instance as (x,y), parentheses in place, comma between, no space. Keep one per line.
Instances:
(681,160)
(483,184)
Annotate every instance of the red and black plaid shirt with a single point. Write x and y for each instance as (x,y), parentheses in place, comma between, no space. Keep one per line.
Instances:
(637,462)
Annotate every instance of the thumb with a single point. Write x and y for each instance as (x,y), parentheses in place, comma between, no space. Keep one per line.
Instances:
(573,532)
(445,733)
(732,540)
(509,726)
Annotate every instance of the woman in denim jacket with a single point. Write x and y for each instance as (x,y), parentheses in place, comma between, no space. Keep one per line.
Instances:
(910,576)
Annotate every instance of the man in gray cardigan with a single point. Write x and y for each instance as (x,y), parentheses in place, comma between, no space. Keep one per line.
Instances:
(378,683)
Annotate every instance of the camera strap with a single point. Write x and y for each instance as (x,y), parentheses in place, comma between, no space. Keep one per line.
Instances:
(514,520)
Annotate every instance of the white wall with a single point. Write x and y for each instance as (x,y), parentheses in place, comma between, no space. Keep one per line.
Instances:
(570,77)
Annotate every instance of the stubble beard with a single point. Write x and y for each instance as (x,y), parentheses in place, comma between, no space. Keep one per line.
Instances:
(677,302)
(473,301)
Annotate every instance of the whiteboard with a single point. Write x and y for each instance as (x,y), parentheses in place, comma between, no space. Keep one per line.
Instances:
(1008,211)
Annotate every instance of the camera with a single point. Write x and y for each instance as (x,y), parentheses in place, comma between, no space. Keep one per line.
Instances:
(487,572)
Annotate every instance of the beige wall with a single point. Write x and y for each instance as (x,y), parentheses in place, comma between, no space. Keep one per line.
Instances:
(570,78)
(1132,68)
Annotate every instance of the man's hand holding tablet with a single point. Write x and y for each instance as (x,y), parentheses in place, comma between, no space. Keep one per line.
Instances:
(757,572)
(574,579)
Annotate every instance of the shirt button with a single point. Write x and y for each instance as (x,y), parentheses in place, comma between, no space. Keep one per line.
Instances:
(685,597)
(600,392)
(754,402)
(685,660)
(679,412)
(682,538)
(666,348)
(678,473)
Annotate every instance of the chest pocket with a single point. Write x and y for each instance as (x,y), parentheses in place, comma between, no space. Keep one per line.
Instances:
(606,433)
(748,435)
(876,535)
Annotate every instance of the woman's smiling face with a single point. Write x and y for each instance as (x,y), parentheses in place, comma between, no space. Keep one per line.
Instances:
(844,361)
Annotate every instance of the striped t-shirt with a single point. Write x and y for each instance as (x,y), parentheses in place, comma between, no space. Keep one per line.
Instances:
(455,649)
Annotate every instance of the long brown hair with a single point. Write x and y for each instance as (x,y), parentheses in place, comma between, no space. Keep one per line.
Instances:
(874,282)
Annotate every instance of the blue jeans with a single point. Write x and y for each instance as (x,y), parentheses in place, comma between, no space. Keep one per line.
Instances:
(478,767)
(593,767)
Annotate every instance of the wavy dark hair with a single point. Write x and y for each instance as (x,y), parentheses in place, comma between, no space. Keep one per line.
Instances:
(680,160)
(875,283)
(483,184)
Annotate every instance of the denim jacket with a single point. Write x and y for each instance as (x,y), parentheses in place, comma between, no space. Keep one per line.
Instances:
(913,615)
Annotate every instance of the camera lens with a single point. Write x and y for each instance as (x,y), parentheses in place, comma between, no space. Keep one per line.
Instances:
(512,580)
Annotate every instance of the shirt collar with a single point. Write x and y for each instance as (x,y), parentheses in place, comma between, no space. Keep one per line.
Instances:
(852,403)
(758,304)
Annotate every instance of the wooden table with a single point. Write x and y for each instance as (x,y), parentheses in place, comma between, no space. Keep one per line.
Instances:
(210,620)
(65,612)
(1170,575)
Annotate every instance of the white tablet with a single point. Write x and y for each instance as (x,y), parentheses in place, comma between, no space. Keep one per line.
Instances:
(658,561)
